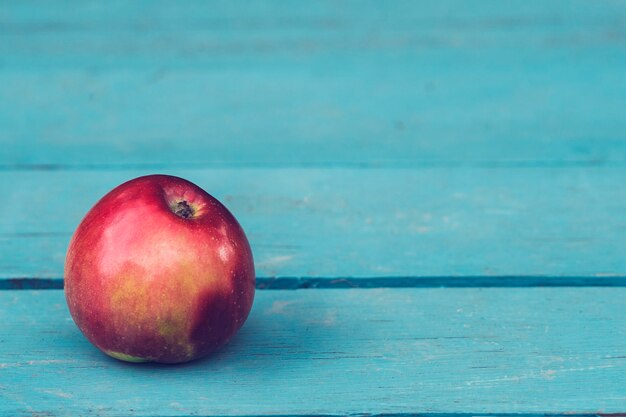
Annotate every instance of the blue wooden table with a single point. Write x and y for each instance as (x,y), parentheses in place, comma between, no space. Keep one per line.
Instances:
(434,193)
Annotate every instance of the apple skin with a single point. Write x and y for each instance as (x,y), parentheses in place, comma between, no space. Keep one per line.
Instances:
(159,271)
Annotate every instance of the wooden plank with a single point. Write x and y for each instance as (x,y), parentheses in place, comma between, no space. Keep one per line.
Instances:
(119,34)
(70,120)
(339,352)
(542,224)
(126,84)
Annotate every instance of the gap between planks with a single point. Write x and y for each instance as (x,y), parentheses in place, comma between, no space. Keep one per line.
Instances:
(296,283)
(566,414)
(417,164)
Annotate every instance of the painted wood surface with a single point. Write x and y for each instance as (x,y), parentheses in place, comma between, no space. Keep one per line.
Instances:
(361,144)
(339,352)
(351,223)
(151,84)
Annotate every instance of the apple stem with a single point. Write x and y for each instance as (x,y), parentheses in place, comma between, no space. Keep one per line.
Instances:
(183,209)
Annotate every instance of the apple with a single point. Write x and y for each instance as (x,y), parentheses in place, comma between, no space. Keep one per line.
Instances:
(159,271)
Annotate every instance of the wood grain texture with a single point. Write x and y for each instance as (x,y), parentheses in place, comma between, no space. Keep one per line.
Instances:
(153,85)
(334,223)
(366,144)
(339,352)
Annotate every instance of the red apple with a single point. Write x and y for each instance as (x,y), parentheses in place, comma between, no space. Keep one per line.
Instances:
(159,270)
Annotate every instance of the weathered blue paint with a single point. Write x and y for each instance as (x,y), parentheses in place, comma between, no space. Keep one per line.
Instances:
(334,223)
(507,119)
(411,83)
(526,350)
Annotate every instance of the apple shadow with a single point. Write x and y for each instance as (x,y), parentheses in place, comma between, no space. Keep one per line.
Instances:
(238,346)
(282,328)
